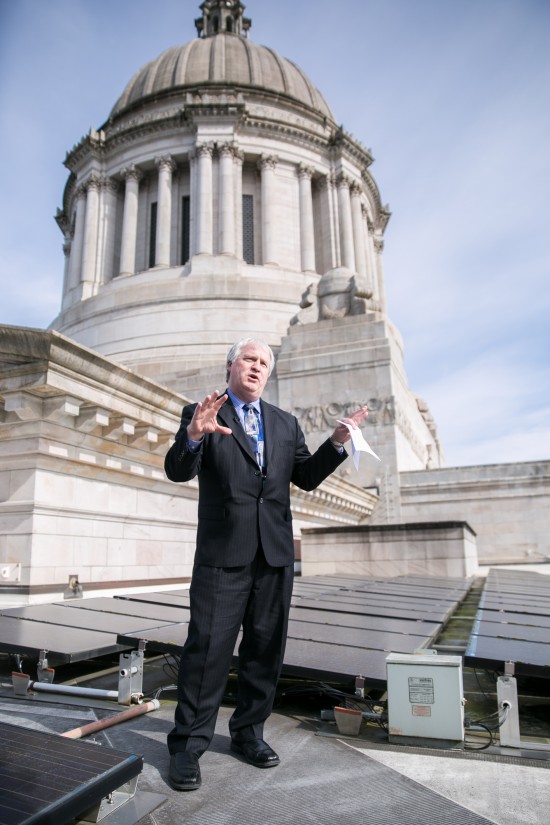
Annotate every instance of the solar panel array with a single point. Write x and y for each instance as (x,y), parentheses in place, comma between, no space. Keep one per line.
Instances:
(512,623)
(339,628)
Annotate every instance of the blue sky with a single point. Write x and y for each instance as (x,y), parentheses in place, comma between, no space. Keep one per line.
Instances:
(451,96)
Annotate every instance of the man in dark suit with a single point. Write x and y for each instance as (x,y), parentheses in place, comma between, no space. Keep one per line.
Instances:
(245,454)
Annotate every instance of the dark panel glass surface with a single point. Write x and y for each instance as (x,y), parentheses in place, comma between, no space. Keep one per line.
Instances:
(499,651)
(408,626)
(147,610)
(46,779)
(354,637)
(532,620)
(70,644)
(86,619)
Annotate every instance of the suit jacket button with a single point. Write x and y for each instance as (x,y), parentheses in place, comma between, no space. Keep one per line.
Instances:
(261,501)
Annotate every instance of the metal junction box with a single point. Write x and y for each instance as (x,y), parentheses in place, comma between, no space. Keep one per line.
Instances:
(425,699)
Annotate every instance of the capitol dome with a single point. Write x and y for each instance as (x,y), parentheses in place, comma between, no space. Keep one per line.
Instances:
(219,60)
(209,205)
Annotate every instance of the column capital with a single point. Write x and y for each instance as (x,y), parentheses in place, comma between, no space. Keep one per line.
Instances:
(325,182)
(238,155)
(305,171)
(226,149)
(203,149)
(356,189)
(343,181)
(268,162)
(378,244)
(132,172)
(111,184)
(166,162)
(95,181)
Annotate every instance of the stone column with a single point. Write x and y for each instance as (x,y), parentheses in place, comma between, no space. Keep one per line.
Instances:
(132,176)
(358,230)
(329,233)
(165,166)
(227,201)
(107,227)
(267,166)
(238,160)
(78,239)
(378,249)
(307,236)
(193,197)
(204,199)
(89,252)
(346,228)
(67,261)
(371,263)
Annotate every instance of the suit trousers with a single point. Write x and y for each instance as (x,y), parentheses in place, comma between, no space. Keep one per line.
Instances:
(255,597)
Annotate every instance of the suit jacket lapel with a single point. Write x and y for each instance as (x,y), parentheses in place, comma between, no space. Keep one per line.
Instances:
(229,418)
(268,420)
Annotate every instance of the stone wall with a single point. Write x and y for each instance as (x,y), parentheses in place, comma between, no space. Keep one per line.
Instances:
(82,483)
(437,549)
(508,506)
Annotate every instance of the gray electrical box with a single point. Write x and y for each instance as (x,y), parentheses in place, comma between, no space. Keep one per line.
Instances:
(425,699)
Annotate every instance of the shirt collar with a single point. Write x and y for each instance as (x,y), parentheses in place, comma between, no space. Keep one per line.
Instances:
(238,404)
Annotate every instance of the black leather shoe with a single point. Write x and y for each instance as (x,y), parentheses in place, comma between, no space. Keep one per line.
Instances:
(257,752)
(184,773)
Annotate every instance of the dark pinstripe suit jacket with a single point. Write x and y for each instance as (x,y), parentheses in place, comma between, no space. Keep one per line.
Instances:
(238,507)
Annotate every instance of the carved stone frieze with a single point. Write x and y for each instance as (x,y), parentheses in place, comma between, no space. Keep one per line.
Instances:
(323,416)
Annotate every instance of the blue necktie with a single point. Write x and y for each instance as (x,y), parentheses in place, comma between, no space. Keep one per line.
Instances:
(253,429)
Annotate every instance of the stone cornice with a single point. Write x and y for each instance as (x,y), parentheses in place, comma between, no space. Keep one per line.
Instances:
(334,500)
(46,363)
(383,212)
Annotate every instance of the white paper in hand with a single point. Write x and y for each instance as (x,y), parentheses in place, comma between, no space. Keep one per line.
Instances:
(358,444)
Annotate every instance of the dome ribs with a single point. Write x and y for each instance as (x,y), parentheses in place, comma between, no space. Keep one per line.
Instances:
(221,59)
(283,82)
(180,66)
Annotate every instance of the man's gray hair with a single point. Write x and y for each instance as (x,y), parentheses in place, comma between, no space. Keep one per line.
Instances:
(235,351)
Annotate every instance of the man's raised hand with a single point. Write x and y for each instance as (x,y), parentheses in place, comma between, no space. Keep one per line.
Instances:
(205,417)
(341,433)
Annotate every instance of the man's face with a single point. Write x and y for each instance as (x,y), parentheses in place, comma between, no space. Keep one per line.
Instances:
(249,372)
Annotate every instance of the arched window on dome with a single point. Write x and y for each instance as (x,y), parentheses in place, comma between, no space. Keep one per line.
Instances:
(215,24)
(229,24)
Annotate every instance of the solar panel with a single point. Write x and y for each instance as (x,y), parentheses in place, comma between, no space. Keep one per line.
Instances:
(71,644)
(46,779)
(513,623)
(338,629)
(58,614)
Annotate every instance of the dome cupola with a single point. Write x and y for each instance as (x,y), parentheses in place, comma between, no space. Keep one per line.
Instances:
(222,16)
